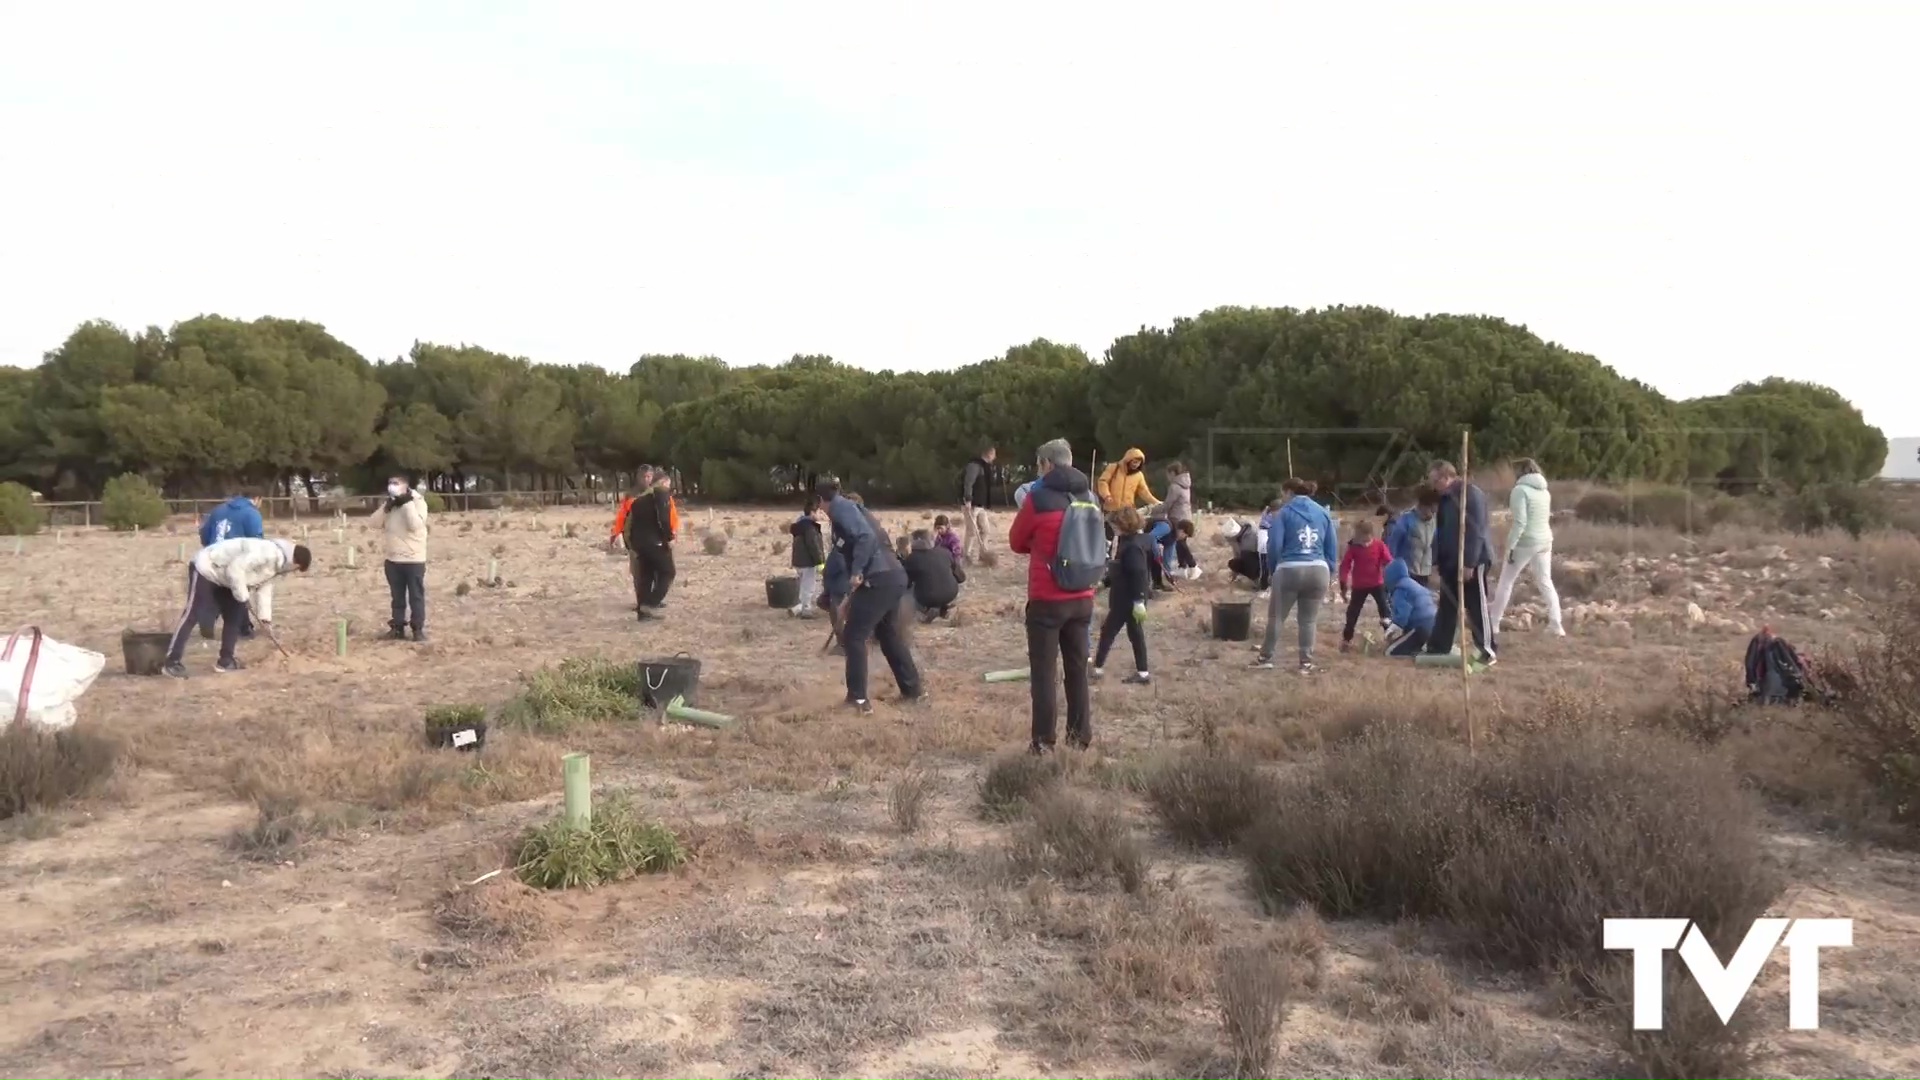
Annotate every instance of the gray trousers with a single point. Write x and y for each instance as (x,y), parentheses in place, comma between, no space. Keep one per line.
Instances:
(1304,587)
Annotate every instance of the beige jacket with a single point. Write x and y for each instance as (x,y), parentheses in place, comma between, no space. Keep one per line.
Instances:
(247,568)
(403,530)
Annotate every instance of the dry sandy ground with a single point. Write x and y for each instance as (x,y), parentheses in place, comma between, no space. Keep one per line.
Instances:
(810,936)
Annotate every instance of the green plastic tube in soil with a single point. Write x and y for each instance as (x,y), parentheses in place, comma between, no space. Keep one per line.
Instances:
(1010,675)
(1450,661)
(679,710)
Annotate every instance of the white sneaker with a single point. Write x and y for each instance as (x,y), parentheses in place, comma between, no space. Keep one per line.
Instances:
(1262,595)
(1193,573)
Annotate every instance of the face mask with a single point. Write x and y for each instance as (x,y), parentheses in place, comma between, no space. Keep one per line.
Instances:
(396,490)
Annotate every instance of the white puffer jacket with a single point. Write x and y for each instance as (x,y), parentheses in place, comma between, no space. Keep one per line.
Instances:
(247,568)
(1532,506)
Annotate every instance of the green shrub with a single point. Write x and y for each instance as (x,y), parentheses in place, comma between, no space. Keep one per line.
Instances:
(1854,508)
(1602,506)
(578,691)
(18,515)
(130,502)
(435,504)
(617,844)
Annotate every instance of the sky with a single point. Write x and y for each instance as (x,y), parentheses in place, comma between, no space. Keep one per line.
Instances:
(1698,194)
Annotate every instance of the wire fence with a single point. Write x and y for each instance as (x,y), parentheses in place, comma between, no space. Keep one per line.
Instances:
(80,515)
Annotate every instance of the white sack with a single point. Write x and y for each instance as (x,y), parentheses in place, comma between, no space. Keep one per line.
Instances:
(50,675)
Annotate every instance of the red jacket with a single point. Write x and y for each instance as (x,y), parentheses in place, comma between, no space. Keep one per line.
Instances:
(1364,566)
(1036,530)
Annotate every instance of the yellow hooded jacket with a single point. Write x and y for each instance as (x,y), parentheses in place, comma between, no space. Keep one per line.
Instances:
(1118,487)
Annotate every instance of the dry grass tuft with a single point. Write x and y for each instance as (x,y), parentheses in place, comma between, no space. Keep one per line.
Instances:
(1878,706)
(1693,1044)
(392,774)
(1206,798)
(714,543)
(284,824)
(1012,781)
(500,914)
(40,769)
(1070,835)
(906,802)
(1254,987)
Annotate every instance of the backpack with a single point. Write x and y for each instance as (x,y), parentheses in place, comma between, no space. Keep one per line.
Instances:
(1080,556)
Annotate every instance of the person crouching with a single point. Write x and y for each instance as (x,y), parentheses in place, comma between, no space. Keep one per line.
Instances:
(935,575)
(1413,611)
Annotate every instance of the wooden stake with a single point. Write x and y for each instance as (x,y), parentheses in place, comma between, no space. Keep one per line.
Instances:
(1460,634)
(1290,472)
(340,637)
(493,571)
(579,790)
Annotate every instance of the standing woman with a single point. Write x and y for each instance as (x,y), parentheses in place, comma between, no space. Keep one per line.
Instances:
(1179,508)
(403,536)
(1529,545)
(1304,550)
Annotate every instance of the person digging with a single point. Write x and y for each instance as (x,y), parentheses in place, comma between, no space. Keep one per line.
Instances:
(231,578)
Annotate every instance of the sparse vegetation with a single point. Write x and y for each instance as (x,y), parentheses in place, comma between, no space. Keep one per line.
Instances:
(1013,779)
(130,502)
(1878,691)
(907,801)
(714,543)
(618,844)
(40,769)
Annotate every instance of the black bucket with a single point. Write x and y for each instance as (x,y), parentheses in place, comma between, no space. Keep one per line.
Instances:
(145,652)
(1232,621)
(663,680)
(457,732)
(783,592)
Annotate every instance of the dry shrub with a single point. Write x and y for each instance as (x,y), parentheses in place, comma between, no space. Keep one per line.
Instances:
(392,774)
(1071,836)
(284,824)
(1878,703)
(1206,798)
(987,558)
(1525,849)
(1890,559)
(1602,506)
(714,543)
(1301,937)
(498,914)
(1254,987)
(906,802)
(1013,779)
(41,768)
(1692,1045)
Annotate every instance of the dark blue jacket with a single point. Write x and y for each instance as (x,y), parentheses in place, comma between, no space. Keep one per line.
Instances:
(838,581)
(860,541)
(1409,603)
(1132,575)
(1446,530)
(235,517)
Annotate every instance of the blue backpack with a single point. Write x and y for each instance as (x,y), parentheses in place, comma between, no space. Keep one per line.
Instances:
(1080,557)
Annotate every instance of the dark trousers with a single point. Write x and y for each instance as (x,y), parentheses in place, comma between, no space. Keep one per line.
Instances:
(407,586)
(1057,632)
(1249,565)
(1119,618)
(1410,644)
(1356,600)
(1454,596)
(875,613)
(653,573)
(212,614)
(1184,552)
(206,602)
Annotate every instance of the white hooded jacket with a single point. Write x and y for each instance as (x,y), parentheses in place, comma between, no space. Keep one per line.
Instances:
(247,568)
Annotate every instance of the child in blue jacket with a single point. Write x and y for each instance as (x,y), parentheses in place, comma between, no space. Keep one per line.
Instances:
(1413,612)
(237,517)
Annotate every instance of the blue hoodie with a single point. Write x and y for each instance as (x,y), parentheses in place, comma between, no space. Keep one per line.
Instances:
(1303,533)
(838,581)
(1409,601)
(237,517)
(858,538)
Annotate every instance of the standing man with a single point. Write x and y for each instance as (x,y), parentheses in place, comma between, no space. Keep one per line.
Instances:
(649,536)
(643,482)
(229,577)
(403,536)
(976,496)
(878,587)
(237,517)
(1460,590)
(1061,531)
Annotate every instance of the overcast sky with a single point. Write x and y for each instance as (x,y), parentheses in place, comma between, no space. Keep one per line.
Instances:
(1697,194)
